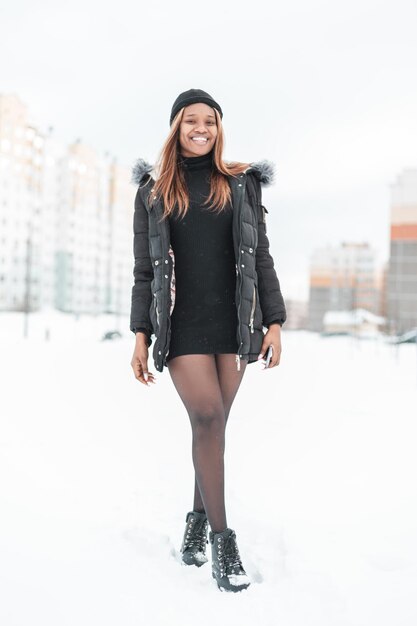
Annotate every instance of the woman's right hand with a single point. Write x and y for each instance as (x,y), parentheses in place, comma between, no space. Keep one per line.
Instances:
(139,360)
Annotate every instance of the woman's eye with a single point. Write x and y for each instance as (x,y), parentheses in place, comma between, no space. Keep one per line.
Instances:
(191,122)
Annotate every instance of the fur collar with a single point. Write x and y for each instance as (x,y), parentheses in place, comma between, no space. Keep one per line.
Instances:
(263,170)
(140,169)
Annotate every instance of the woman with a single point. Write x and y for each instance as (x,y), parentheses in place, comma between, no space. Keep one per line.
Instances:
(205,286)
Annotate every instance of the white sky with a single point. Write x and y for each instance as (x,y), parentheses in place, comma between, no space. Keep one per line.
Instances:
(326,90)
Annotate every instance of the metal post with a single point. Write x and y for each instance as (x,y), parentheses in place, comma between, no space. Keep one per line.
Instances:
(26,306)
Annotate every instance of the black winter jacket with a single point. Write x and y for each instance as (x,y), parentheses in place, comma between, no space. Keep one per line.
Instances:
(259,301)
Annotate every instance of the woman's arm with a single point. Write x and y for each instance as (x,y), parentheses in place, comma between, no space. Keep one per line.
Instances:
(142,272)
(270,296)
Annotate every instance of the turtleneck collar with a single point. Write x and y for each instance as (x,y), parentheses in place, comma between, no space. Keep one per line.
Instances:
(204,161)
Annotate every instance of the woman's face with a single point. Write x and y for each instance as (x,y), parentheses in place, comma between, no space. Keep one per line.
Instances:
(198,130)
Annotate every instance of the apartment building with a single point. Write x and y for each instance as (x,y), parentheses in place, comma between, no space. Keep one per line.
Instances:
(402,268)
(342,278)
(120,258)
(66,221)
(22,256)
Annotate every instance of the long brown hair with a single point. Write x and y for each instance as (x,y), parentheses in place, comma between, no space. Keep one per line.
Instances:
(170,183)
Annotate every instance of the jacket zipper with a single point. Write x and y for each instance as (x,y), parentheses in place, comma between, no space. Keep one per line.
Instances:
(163,344)
(240,284)
(171,297)
(252,313)
(156,310)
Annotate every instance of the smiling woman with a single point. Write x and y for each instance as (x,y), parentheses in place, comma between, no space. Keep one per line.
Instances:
(206,279)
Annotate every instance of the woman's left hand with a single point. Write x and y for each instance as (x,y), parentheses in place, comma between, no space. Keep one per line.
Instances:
(272,337)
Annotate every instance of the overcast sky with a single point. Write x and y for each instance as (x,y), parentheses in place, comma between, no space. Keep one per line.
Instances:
(326,90)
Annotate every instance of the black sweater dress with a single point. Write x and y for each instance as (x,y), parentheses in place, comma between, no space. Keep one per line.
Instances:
(204,318)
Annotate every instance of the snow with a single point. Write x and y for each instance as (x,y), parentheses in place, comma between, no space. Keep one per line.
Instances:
(201,557)
(355,317)
(96,478)
(238,579)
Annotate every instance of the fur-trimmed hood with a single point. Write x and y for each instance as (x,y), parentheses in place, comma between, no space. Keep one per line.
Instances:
(263,170)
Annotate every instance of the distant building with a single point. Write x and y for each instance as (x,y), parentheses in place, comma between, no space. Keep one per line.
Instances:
(22,256)
(66,222)
(297,314)
(120,259)
(382,283)
(402,270)
(83,237)
(342,278)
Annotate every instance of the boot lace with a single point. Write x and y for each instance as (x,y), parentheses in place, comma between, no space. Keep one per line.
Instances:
(230,557)
(196,534)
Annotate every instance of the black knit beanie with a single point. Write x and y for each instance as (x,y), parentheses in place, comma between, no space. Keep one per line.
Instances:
(191,97)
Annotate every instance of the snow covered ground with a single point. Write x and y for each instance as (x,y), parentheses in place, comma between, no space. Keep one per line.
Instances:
(96,478)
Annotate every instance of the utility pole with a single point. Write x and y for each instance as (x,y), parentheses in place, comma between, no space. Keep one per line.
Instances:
(27,297)
(119,296)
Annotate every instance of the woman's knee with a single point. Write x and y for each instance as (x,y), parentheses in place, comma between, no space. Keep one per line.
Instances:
(209,417)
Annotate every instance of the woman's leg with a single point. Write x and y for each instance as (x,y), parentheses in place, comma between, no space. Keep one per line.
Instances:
(207,385)
(229,378)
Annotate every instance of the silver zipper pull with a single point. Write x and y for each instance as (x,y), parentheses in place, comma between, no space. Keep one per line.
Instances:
(252,312)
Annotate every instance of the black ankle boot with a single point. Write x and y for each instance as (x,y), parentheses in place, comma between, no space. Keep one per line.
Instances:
(227,568)
(194,543)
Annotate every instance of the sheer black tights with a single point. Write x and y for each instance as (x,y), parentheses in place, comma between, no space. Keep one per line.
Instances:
(207,384)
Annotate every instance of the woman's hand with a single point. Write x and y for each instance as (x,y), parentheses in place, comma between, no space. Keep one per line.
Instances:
(139,360)
(272,337)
